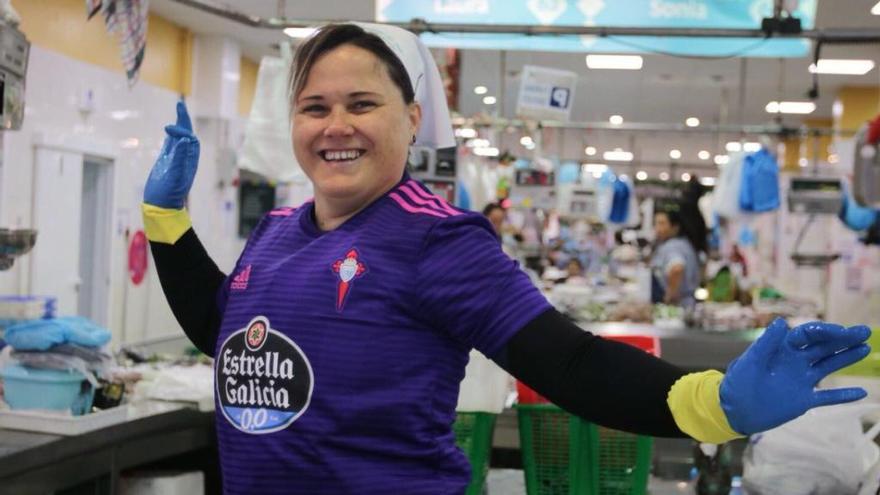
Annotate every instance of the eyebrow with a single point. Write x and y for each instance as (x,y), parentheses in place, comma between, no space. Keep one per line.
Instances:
(356,94)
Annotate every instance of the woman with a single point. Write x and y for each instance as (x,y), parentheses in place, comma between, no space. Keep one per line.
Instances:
(342,333)
(675,265)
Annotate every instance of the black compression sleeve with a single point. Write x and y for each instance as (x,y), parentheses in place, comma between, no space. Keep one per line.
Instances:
(609,383)
(190,280)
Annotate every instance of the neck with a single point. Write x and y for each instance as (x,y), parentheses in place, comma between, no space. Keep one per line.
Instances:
(330,214)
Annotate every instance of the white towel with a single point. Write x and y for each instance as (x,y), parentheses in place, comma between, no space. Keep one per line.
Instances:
(436,128)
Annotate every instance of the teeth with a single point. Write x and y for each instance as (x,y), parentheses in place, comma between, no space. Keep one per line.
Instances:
(341,155)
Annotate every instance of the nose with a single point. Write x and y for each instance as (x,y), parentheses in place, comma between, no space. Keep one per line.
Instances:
(338,124)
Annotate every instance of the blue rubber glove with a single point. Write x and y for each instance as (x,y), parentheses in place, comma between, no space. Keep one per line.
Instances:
(172,175)
(774,380)
(855,216)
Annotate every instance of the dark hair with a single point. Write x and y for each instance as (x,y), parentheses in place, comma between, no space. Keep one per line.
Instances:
(489,208)
(334,35)
(687,217)
(672,215)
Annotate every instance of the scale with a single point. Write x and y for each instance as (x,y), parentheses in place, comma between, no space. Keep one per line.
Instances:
(577,201)
(815,195)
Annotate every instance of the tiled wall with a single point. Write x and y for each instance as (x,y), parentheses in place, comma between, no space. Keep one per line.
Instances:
(129,122)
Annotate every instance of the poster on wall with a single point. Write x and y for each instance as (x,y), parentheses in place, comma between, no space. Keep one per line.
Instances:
(254,201)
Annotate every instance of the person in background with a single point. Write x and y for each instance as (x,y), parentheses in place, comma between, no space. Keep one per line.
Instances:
(341,335)
(574,272)
(675,265)
(495,213)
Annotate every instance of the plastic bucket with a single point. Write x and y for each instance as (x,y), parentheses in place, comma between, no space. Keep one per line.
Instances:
(32,388)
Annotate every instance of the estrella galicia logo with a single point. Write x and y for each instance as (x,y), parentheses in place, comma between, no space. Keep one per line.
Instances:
(264,381)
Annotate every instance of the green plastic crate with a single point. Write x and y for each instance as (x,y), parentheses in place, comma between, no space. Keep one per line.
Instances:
(870,366)
(473,435)
(565,455)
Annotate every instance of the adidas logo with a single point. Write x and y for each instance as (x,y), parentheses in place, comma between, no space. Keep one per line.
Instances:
(240,281)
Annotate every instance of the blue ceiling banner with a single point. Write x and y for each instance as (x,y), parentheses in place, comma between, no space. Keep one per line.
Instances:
(717,14)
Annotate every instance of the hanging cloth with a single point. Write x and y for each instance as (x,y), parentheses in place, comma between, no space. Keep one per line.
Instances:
(759,191)
(620,202)
(127,20)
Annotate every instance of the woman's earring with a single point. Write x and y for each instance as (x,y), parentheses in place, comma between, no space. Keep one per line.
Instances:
(413,139)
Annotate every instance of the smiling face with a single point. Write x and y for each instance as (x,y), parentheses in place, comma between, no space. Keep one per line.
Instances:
(351,127)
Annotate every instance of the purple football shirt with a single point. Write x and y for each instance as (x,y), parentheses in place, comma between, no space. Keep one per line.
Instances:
(340,353)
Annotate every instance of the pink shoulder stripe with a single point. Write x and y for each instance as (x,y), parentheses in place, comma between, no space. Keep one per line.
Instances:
(414,209)
(415,198)
(438,201)
(284,211)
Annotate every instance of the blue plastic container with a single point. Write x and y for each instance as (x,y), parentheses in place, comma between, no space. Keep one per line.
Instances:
(32,388)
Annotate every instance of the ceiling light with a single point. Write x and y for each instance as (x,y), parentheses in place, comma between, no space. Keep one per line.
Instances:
(526,140)
(623,177)
(477,143)
(803,162)
(590,150)
(624,62)
(641,175)
(876,9)
(692,122)
(721,159)
(852,67)
(674,154)
(751,147)
(833,158)
(685,177)
(704,155)
(618,155)
(481,90)
(300,32)
(124,114)
(707,181)
(799,107)
(489,100)
(664,176)
(597,169)
(733,146)
(466,132)
(486,151)
(615,119)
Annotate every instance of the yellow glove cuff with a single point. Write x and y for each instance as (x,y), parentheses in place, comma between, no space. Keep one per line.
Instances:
(165,225)
(695,403)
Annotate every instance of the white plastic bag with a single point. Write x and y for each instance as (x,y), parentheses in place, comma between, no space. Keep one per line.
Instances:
(824,452)
(485,386)
(267,148)
(726,195)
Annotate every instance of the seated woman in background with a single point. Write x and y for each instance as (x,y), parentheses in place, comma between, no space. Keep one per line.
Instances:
(675,264)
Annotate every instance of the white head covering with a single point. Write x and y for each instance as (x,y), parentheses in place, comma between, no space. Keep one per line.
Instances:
(436,128)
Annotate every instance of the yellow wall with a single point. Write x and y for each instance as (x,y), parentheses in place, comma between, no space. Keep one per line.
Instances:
(859,104)
(247,85)
(61,26)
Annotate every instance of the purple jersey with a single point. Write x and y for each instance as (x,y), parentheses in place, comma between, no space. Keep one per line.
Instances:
(340,353)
